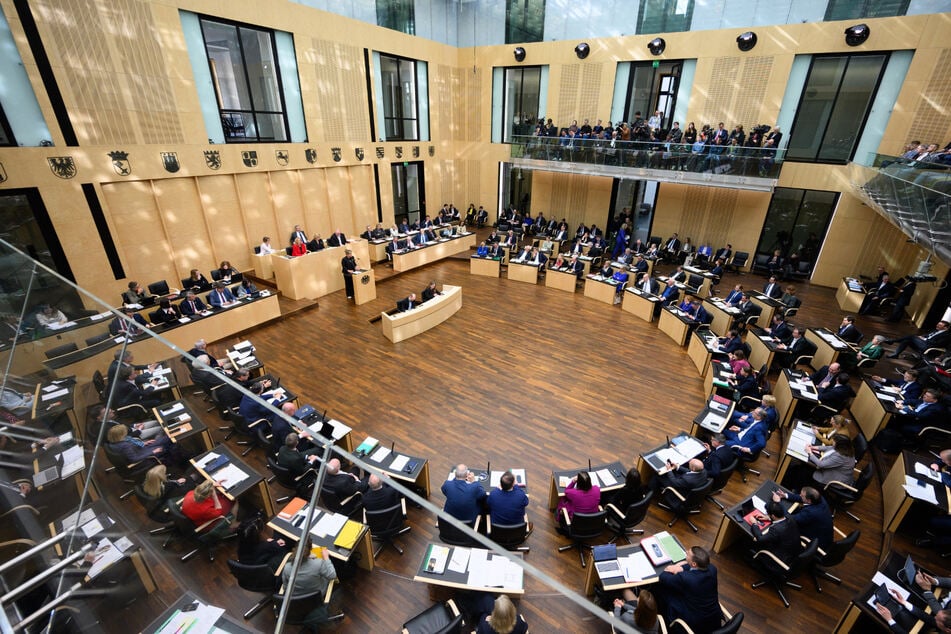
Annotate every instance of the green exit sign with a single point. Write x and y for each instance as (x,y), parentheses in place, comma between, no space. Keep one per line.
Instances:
(656,64)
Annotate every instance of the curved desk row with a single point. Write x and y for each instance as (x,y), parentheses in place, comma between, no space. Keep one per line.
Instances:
(431,253)
(315,274)
(408,324)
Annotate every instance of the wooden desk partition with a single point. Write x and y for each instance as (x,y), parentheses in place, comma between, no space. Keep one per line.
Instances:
(600,290)
(402,326)
(850,300)
(523,272)
(315,274)
(488,267)
(870,413)
(561,280)
(673,326)
(639,303)
(418,257)
(263,267)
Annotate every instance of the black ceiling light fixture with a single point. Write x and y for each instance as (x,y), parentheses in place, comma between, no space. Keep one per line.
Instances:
(519,54)
(656,46)
(746,41)
(855,35)
(582,50)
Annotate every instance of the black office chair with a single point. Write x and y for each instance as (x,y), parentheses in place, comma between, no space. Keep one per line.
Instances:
(256,434)
(582,528)
(744,460)
(201,537)
(859,447)
(91,341)
(351,506)
(386,525)
(623,522)
(301,610)
(509,536)
(452,535)
(259,579)
(778,573)
(130,472)
(59,351)
(731,626)
(831,557)
(737,262)
(842,496)
(301,485)
(155,509)
(720,482)
(683,506)
(99,384)
(440,618)
(159,288)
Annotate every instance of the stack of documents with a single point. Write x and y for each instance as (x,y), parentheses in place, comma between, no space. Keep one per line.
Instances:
(802,436)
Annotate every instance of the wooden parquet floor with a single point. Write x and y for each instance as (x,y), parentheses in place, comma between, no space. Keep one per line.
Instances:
(521,376)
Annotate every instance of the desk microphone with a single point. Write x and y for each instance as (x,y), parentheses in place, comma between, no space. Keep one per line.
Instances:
(668,441)
(589,465)
(488,467)
(392,446)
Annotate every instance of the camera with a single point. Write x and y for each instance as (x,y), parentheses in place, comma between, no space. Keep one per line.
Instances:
(761,129)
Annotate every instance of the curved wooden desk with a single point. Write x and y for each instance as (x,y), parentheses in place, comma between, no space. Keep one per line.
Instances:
(402,326)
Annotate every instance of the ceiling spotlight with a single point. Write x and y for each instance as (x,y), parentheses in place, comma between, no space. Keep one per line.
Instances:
(656,46)
(855,35)
(746,41)
(582,50)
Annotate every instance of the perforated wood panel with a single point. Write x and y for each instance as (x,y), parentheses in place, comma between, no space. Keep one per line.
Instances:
(737,91)
(719,218)
(440,99)
(590,89)
(473,107)
(932,118)
(568,95)
(342,110)
(116,71)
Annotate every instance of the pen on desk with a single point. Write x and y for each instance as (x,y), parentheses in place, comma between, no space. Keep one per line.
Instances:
(185,625)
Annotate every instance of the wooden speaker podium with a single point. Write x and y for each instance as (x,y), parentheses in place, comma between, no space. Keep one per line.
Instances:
(364,287)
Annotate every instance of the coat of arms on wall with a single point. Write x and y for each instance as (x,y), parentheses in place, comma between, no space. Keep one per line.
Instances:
(415,151)
(380,151)
(359,152)
(170,161)
(62,166)
(432,150)
(399,151)
(282,157)
(213,159)
(120,162)
(336,152)
(311,155)
(250,158)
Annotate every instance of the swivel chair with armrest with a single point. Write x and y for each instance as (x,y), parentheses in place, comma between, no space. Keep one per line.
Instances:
(509,536)
(260,578)
(131,472)
(301,610)
(155,509)
(731,624)
(301,485)
(440,618)
(453,536)
(683,506)
(841,496)
(201,537)
(351,506)
(778,573)
(582,528)
(720,482)
(387,524)
(833,556)
(623,523)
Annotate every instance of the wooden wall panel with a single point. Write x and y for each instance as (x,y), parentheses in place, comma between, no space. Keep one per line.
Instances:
(363,197)
(315,216)
(227,223)
(185,226)
(139,234)
(287,198)
(338,195)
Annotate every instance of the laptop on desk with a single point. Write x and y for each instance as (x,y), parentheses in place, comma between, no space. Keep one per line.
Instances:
(44,477)
(655,461)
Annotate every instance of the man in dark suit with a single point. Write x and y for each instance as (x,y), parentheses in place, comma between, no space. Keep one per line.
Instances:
(576,266)
(937,338)
(191,305)
(825,376)
(221,296)
(120,326)
(683,478)
(128,392)
(782,537)
(772,288)
(909,389)
(430,292)
(688,591)
(317,244)
(124,360)
(724,253)
(250,409)
(795,348)
(406,304)
(847,331)
(718,455)
(779,329)
(813,517)
(671,293)
(837,395)
(290,456)
(378,496)
(672,246)
(646,284)
(464,496)
(166,314)
(507,504)
(297,233)
(883,290)
(338,239)
(748,434)
(679,275)
(343,485)
(929,412)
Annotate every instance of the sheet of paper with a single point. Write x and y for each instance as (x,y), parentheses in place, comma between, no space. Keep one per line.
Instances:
(92,528)
(606,477)
(105,555)
(636,567)
(54,395)
(878,580)
(594,478)
(50,387)
(713,422)
(459,562)
(211,456)
(73,461)
(920,492)
(887,398)
(161,371)
(379,454)
(399,462)
(758,504)
(100,316)
(85,517)
(925,470)
(230,476)
(177,407)
(690,448)
(329,524)
(478,568)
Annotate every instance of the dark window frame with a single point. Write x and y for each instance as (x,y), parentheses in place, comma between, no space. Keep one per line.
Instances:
(675,71)
(389,13)
(769,223)
(398,103)
(858,9)
(7,130)
(507,120)
(225,113)
(513,30)
(868,110)
(666,26)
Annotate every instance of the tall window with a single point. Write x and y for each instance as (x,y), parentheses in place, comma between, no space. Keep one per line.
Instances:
(6,134)
(796,223)
(651,89)
(853,9)
(524,21)
(400,98)
(520,95)
(28,227)
(836,100)
(664,16)
(243,63)
(399,15)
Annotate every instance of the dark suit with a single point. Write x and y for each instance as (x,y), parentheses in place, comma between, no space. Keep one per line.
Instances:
(921,416)
(836,396)
(191,307)
(295,235)
(167,316)
(781,331)
(337,240)
(814,521)
(219,297)
(315,245)
(463,499)
(406,304)
(293,460)
(821,375)
(781,538)
(773,290)
(849,333)
(343,485)
(717,459)
(754,436)
(910,390)
(683,479)
(380,499)
(691,595)
(127,393)
(794,349)
(119,325)
(429,293)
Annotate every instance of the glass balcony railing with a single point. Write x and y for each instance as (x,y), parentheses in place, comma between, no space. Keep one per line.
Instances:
(750,162)
(73,555)
(914,195)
